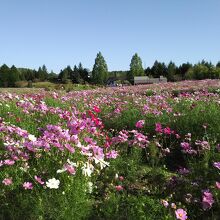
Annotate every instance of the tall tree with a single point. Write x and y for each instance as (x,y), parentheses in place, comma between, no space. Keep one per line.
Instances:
(75,76)
(13,76)
(158,69)
(83,73)
(171,71)
(136,68)
(182,70)
(100,70)
(4,75)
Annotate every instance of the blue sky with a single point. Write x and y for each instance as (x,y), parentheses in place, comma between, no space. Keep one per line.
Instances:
(58,33)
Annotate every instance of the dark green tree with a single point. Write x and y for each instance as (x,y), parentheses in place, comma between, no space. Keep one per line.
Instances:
(182,70)
(75,76)
(13,76)
(83,73)
(4,75)
(64,76)
(158,69)
(100,70)
(42,73)
(147,71)
(171,71)
(52,76)
(29,75)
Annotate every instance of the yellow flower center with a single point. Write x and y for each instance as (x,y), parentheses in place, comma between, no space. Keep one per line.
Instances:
(180,215)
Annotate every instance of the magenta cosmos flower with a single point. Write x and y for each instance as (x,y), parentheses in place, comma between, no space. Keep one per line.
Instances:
(181,214)
(140,124)
(39,180)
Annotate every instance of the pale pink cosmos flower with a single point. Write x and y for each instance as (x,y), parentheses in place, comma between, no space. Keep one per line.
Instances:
(28,185)
(39,180)
(217,184)
(7,181)
(140,124)
(9,162)
(165,203)
(217,165)
(173,205)
(181,214)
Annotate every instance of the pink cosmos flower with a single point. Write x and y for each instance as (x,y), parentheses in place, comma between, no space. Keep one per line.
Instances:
(7,181)
(39,180)
(217,165)
(167,131)
(165,203)
(181,214)
(71,169)
(140,124)
(69,148)
(119,188)
(111,154)
(186,148)
(177,136)
(217,185)
(159,128)
(121,178)
(28,185)
(207,200)
(9,162)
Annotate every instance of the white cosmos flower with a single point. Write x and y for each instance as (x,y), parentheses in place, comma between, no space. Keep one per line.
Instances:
(31,137)
(53,183)
(72,163)
(61,170)
(87,169)
(101,162)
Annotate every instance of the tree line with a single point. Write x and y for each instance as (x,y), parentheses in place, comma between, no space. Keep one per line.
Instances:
(12,76)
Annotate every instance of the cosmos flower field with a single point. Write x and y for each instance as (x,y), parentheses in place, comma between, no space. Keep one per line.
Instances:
(134,152)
